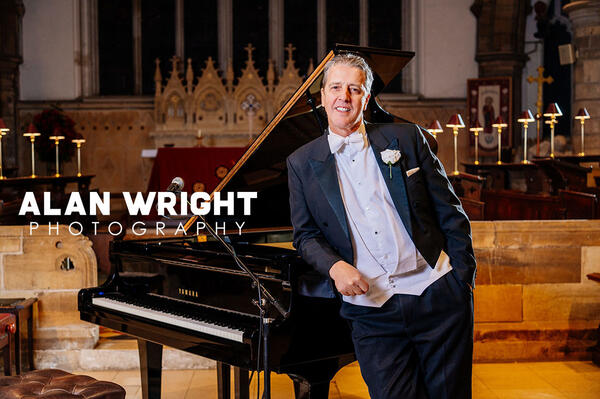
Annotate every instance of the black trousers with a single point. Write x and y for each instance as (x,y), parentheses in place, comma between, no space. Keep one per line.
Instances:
(417,346)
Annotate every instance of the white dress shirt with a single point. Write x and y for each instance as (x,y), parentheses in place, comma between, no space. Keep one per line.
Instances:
(384,253)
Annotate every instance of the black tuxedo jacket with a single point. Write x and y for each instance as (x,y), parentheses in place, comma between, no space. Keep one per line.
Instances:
(425,201)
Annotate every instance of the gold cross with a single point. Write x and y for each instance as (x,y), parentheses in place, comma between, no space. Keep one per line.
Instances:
(540,80)
(290,49)
(174,61)
(249,48)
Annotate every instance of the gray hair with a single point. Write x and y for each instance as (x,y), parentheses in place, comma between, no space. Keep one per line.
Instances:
(351,60)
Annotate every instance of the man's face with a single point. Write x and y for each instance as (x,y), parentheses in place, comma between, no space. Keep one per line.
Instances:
(344,97)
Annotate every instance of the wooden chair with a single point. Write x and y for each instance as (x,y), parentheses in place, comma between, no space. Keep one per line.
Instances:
(8,327)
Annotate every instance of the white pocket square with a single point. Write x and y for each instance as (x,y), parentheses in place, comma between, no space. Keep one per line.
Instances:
(412,171)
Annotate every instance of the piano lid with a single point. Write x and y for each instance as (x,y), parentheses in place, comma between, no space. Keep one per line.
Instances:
(263,167)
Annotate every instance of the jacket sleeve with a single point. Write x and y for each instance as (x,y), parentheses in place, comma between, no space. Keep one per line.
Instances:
(450,215)
(308,238)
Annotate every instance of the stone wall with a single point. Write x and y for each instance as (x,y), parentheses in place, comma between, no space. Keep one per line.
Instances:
(31,265)
(532,298)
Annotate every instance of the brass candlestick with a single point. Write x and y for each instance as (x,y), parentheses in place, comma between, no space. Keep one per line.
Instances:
(3,132)
(57,140)
(582,115)
(476,128)
(78,142)
(525,118)
(455,123)
(553,111)
(434,128)
(32,134)
(499,124)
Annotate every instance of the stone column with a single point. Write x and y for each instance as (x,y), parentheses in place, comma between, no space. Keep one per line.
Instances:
(276,33)
(225,26)
(500,45)
(11,17)
(585,17)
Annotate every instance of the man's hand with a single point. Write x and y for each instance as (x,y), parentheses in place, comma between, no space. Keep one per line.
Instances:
(348,280)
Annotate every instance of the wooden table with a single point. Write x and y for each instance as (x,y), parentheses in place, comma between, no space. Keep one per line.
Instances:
(577,159)
(501,176)
(564,175)
(22,309)
(469,188)
(7,329)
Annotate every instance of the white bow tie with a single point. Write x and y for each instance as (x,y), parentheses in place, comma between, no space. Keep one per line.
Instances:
(355,141)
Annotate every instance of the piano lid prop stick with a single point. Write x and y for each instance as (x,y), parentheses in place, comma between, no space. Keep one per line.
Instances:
(313,105)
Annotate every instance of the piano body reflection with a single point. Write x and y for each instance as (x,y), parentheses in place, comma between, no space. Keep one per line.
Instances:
(191,295)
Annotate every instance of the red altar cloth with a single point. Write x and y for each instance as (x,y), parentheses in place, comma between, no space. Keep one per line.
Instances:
(201,168)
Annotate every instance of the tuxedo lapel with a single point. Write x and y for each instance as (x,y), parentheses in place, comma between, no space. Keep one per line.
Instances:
(397,184)
(323,164)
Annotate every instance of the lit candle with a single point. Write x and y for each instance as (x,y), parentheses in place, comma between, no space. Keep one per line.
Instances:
(57,140)
(78,142)
(582,115)
(3,132)
(455,123)
(525,118)
(476,128)
(499,124)
(32,134)
(552,112)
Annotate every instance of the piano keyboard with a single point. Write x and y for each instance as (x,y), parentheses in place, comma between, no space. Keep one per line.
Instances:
(164,317)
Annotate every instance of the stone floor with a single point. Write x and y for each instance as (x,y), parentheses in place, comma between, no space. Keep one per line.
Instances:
(572,380)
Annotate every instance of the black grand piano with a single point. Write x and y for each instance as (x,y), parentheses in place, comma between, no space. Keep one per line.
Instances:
(192,295)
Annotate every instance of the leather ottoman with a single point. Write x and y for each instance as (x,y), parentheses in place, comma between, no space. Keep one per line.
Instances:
(57,384)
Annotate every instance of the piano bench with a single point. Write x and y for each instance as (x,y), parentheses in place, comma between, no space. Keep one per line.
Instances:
(57,384)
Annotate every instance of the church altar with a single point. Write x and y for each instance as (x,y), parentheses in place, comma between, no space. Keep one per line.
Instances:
(201,168)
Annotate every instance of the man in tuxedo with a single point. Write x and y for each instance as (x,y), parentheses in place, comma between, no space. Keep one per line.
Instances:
(375,214)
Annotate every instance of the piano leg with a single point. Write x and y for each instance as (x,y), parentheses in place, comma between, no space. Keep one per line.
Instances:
(150,368)
(313,382)
(304,389)
(223,381)
(240,380)
(242,383)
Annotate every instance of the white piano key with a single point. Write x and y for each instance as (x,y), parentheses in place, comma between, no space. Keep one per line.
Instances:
(180,321)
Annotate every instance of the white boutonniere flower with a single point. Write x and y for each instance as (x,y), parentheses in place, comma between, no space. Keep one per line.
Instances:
(390,157)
